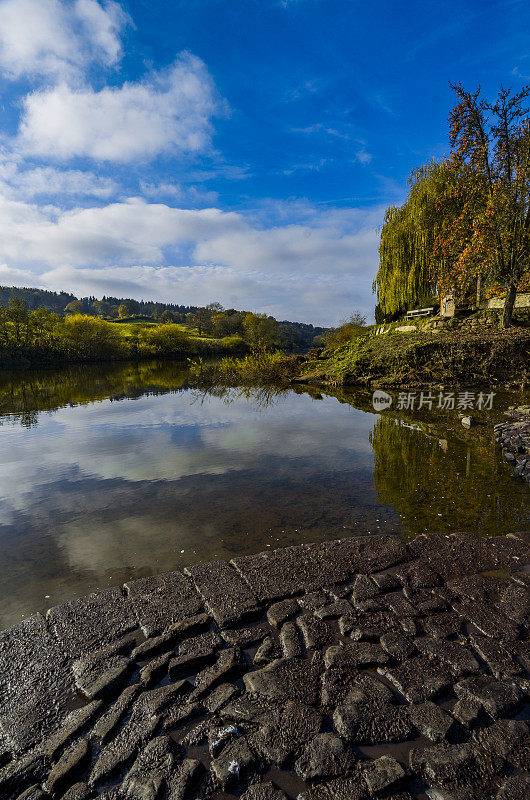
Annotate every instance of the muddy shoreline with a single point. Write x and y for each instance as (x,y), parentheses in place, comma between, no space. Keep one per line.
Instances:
(355,669)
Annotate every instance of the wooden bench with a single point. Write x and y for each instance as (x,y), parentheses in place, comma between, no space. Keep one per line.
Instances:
(420,312)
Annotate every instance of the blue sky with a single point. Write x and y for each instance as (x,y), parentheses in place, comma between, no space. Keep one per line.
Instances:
(241,152)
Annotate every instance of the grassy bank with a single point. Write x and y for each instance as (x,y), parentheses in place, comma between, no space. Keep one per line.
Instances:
(447,357)
(257,368)
(41,338)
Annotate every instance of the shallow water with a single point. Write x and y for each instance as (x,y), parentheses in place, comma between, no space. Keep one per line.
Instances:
(108,473)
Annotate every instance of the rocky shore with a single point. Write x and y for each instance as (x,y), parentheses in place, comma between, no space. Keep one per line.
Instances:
(348,670)
(514,438)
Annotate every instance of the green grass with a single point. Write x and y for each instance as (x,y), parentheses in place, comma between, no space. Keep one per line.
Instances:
(258,367)
(419,358)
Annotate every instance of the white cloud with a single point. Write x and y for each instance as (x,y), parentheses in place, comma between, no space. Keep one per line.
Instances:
(171,111)
(318,269)
(58,38)
(363,156)
(25,183)
(178,192)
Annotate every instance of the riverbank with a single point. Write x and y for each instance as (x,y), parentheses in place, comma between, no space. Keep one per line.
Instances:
(352,669)
(475,357)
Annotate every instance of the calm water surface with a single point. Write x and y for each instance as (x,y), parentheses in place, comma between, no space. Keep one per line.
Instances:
(108,473)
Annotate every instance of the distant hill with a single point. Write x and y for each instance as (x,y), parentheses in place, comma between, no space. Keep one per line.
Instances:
(299,334)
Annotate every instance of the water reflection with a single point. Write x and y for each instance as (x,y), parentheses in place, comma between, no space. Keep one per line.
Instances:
(108,473)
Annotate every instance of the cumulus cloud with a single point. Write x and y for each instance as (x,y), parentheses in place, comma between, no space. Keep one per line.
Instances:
(58,38)
(21,182)
(170,111)
(318,269)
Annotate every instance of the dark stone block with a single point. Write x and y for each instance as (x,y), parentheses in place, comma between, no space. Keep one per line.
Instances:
(281,573)
(431,721)
(456,767)
(233,764)
(364,589)
(183,779)
(263,791)
(362,625)
(441,626)
(497,657)
(23,773)
(162,601)
(419,679)
(312,600)
(382,773)
(79,791)
(283,731)
(72,726)
(33,793)
(125,746)
(101,619)
(339,789)
(368,715)
(419,575)
(344,558)
(245,637)
(35,684)
(156,670)
(509,739)
(326,756)
(69,766)
(290,641)
(100,674)
(151,769)
(459,659)
(174,634)
(515,788)
(229,666)
(194,654)
(316,633)
(219,697)
(287,679)
(108,723)
(227,596)
(498,698)
(280,612)
(357,654)
(398,645)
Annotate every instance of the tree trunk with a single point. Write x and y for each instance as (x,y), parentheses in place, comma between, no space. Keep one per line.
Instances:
(479,290)
(508,305)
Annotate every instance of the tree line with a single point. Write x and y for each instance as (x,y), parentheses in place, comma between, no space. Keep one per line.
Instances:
(465,225)
(40,336)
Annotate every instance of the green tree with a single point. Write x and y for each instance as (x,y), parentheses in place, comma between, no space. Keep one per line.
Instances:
(101,307)
(261,330)
(74,307)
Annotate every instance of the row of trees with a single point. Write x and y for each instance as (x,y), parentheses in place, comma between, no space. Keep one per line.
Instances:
(41,335)
(466,222)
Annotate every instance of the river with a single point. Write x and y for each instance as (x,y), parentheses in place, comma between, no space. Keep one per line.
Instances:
(120,471)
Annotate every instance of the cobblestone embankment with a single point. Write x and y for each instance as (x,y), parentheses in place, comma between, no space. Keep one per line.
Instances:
(514,438)
(363,668)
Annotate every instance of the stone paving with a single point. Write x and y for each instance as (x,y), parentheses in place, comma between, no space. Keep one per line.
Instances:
(514,438)
(362,668)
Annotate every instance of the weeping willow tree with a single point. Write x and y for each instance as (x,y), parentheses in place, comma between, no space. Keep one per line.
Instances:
(409,259)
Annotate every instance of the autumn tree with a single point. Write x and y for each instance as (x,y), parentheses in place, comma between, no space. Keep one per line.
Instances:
(467,218)
(492,140)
